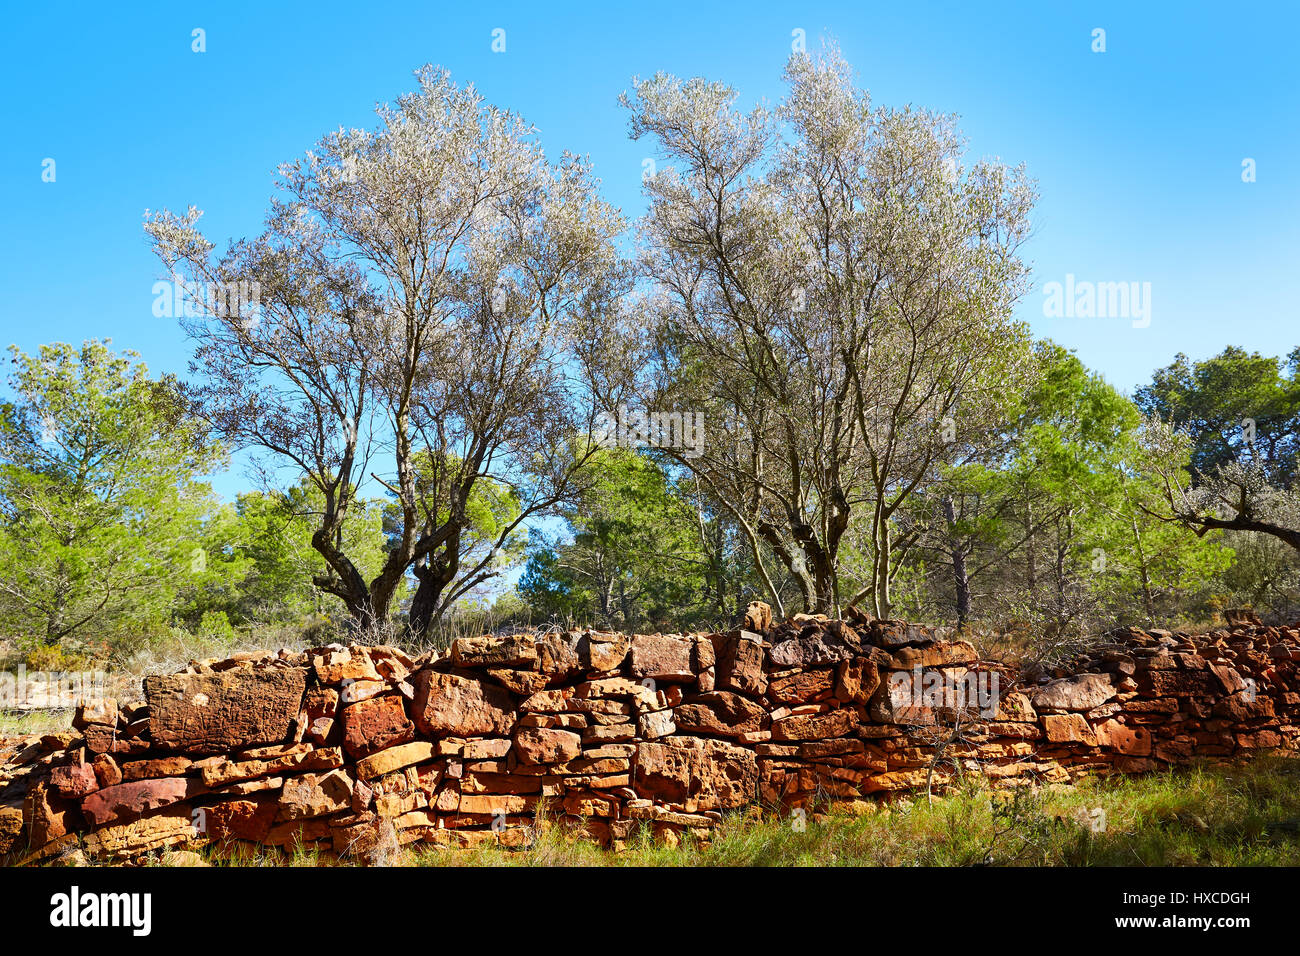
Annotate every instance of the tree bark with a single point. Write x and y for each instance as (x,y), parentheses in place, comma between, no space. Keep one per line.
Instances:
(881,601)
(1148,602)
(1031,564)
(961,582)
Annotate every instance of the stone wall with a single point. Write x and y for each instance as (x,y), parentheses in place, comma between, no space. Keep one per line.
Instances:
(347,748)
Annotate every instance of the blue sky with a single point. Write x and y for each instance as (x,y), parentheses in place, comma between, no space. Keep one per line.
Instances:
(1138,150)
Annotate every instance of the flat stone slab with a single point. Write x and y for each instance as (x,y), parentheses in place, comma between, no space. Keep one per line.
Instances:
(216,713)
(1079,692)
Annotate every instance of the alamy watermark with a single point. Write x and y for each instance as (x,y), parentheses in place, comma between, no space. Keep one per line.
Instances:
(239,300)
(632,428)
(973,691)
(52,689)
(1082,299)
(75,909)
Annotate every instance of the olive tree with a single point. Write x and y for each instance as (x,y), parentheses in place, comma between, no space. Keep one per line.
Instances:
(833,290)
(1235,495)
(414,299)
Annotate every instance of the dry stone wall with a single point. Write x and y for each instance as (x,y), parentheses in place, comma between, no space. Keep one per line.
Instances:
(350,748)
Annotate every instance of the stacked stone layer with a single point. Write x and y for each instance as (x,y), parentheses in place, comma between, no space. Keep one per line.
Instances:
(349,748)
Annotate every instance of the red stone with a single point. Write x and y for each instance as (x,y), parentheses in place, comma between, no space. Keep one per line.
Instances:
(541,745)
(215,713)
(74,780)
(127,801)
(739,662)
(447,704)
(375,724)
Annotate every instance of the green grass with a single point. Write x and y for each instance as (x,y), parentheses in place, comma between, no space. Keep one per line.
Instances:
(1242,815)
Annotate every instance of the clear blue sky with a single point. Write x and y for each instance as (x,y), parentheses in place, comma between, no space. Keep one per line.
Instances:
(1137,150)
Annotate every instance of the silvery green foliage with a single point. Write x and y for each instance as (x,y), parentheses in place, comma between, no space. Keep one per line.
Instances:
(422,285)
(834,290)
(1234,496)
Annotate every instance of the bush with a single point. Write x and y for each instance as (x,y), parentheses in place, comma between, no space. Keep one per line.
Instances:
(215,626)
(52,657)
